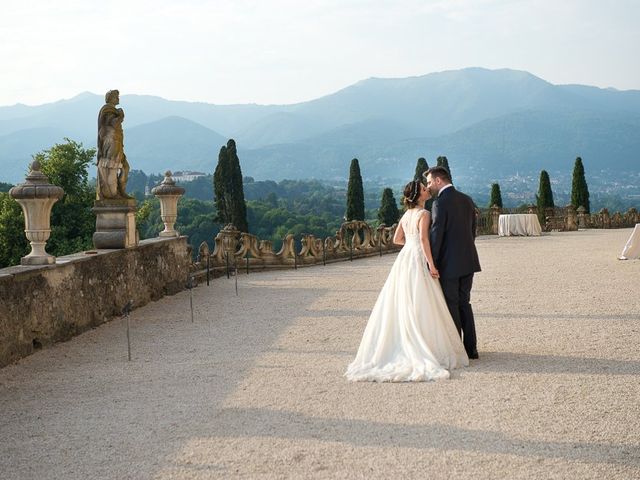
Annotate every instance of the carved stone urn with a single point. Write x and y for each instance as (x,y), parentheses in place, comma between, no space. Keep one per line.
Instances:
(230,236)
(168,194)
(36,196)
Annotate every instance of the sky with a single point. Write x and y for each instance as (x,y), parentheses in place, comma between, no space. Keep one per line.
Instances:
(288,51)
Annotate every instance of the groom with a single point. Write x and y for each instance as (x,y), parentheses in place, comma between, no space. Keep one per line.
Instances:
(454,252)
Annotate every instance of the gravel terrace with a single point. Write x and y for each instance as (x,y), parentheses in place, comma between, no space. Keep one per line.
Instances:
(254,388)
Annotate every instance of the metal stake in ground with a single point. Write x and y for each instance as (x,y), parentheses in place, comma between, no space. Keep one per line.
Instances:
(125,313)
(208,257)
(190,285)
(351,250)
(236,279)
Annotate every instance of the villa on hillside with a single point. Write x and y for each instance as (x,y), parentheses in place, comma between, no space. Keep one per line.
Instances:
(187,176)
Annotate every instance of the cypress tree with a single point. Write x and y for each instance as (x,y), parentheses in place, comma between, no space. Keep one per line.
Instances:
(443,162)
(544,197)
(421,167)
(579,188)
(496,196)
(220,178)
(229,192)
(388,213)
(355,193)
(238,205)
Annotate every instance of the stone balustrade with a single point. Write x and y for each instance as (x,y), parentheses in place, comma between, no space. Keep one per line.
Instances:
(565,219)
(354,239)
(603,219)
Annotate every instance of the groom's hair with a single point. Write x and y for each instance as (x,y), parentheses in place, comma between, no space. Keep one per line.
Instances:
(439,172)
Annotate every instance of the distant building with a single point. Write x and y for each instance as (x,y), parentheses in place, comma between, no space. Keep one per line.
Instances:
(187,176)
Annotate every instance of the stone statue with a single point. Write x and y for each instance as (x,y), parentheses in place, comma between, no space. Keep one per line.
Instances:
(113,168)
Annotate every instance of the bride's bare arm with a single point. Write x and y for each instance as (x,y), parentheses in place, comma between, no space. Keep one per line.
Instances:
(423,228)
(398,236)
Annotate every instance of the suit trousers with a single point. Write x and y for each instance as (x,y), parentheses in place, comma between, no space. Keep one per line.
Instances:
(457,293)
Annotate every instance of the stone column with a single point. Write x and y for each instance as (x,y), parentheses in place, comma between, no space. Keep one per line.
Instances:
(548,219)
(582,217)
(572,219)
(606,219)
(36,196)
(168,194)
(380,240)
(495,216)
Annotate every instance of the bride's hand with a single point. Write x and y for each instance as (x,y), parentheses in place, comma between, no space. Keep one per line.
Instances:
(434,271)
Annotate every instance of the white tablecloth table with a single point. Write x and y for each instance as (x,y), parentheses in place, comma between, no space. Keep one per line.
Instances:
(519,224)
(632,249)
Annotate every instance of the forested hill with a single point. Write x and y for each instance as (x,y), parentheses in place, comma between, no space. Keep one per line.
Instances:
(481,119)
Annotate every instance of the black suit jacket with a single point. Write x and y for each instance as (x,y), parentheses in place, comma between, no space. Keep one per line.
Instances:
(452,236)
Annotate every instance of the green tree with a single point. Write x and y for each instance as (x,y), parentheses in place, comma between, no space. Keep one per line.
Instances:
(355,193)
(388,212)
(5,187)
(496,196)
(239,207)
(228,188)
(272,199)
(72,221)
(200,188)
(137,183)
(421,167)
(220,178)
(145,210)
(13,242)
(443,162)
(544,198)
(579,188)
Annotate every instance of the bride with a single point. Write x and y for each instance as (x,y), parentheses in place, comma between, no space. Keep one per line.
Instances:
(410,336)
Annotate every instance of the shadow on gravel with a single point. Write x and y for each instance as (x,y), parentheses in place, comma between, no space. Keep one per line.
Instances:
(336,313)
(511,362)
(96,415)
(240,423)
(554,316)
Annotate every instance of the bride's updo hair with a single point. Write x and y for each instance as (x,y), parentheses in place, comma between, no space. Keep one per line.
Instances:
(411,193)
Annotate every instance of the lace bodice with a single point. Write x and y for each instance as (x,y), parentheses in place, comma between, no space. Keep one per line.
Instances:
(410,221)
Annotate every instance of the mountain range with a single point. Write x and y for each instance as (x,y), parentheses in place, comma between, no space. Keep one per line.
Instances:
(489,123)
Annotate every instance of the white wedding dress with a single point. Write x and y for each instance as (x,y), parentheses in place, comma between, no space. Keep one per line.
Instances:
(410,335)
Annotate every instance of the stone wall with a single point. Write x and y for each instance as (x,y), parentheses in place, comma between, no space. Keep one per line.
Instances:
(41,305)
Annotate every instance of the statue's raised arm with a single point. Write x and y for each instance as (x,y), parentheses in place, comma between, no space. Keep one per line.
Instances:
(113,168)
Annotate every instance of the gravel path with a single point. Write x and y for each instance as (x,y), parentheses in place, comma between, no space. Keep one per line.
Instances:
(254,388)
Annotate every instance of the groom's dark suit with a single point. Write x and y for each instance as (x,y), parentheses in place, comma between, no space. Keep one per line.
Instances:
(454,253)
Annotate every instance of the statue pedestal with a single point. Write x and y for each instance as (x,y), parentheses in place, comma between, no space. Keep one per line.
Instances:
(115,223)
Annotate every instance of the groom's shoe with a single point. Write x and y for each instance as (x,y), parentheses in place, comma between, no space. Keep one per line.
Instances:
(473,355)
